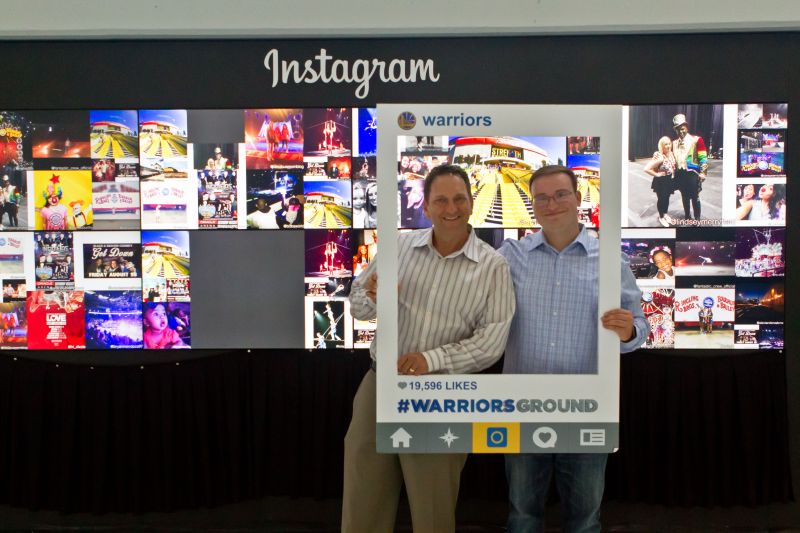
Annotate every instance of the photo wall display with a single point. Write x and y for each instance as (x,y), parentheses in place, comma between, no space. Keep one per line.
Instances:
(706,216)
(65,290)
(94,206)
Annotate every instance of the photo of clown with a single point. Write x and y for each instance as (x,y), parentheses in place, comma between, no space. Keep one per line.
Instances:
(63,200)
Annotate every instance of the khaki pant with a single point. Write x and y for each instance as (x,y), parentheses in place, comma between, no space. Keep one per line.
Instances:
(372,481)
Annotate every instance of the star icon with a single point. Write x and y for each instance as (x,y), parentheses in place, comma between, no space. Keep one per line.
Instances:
(448,437)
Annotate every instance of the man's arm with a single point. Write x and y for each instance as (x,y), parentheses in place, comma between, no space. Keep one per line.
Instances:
(362,293)
(488,340)
(631,298)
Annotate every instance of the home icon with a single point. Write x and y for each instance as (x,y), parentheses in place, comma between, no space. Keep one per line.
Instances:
(401,439)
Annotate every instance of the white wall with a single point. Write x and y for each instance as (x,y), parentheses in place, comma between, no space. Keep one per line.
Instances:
(325,18)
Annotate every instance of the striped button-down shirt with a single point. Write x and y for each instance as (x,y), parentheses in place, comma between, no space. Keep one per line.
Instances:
(455,310)
(555,326)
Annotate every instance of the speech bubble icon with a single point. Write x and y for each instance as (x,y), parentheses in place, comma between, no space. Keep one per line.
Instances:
(545,437)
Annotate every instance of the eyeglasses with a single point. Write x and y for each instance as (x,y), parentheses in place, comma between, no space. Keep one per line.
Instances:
(562,196)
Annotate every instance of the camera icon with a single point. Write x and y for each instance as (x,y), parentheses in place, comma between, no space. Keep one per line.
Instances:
(496,437)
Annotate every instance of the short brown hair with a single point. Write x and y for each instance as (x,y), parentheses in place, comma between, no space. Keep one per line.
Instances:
(443,170)
(549,170)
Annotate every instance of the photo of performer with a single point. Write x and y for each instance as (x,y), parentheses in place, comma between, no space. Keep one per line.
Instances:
(365,167)
(691,158)
(329,323)
(662,168)
(338,168)
(760,252)
(712,257)
(695,133)
(66,197)
(768,205)
(366,246)
(367,134)
(59,134)
(770,336)
(53,213)
(329,254)
(273,137)
(319,341)
(328,131)
(361,259)
(104,170)
(763,116)
(333,322)
(13,324)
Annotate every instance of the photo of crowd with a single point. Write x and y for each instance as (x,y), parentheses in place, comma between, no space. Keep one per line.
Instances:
(113,320)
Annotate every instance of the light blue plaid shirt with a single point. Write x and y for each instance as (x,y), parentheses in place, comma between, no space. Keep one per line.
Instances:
(554,330)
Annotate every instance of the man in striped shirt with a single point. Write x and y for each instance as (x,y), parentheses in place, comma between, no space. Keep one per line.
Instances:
(456,303)
(554,332)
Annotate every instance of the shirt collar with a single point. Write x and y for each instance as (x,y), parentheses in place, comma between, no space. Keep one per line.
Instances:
(424,237)
(537,240)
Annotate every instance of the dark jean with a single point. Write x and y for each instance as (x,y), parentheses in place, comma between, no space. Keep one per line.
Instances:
(580,479)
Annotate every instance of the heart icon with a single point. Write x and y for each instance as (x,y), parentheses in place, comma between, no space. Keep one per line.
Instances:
(402,384)
(545,437)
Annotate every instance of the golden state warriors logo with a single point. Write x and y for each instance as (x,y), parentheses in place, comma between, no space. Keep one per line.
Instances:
(406,120)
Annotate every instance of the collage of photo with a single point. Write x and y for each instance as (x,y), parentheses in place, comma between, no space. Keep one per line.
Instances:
(65,290)
(64,172)
(95,208)
(711,266)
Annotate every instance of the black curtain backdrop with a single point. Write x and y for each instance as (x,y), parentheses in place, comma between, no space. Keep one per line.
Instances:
(224,428)
(649,123)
